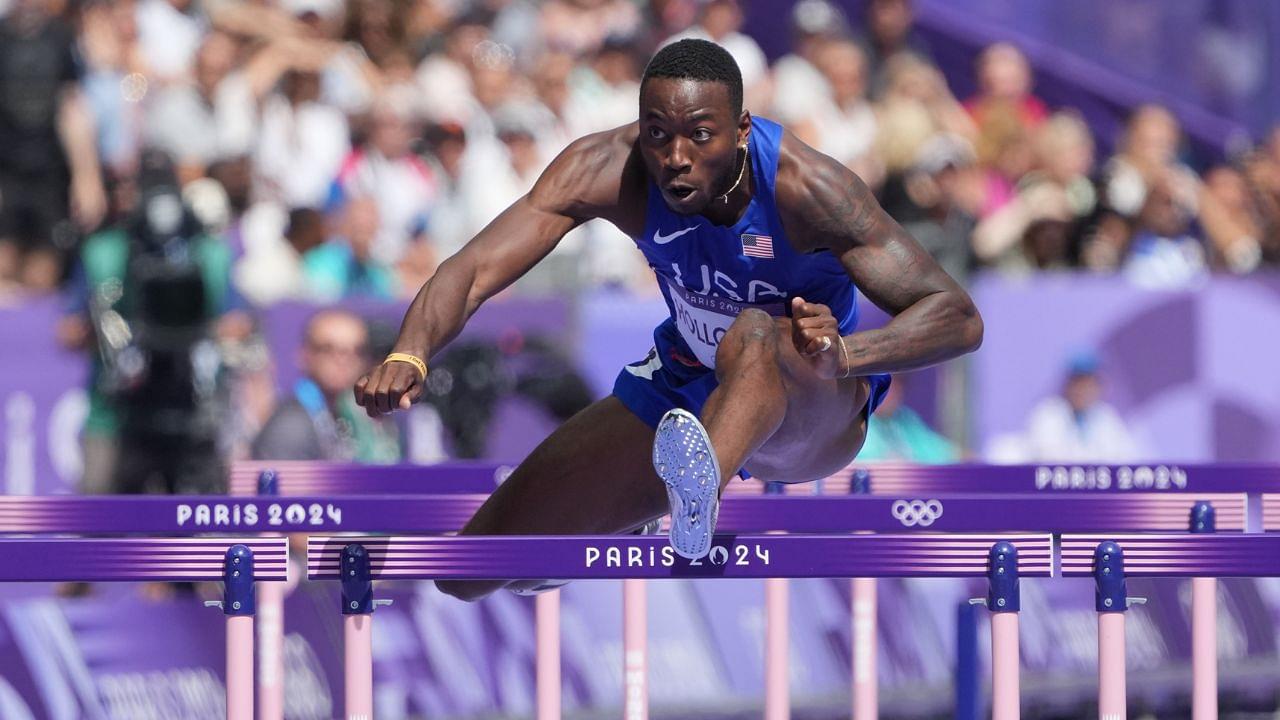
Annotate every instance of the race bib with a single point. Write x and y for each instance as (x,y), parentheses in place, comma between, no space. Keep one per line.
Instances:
(703,320)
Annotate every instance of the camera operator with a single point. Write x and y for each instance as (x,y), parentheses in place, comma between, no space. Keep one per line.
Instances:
(155,287)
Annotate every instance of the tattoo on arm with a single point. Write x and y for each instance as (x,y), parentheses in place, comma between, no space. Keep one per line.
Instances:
(933,317)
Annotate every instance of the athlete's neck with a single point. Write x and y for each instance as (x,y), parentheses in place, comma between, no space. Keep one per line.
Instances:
(728,209)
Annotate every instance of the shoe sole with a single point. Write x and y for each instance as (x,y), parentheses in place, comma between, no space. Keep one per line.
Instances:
(684,459)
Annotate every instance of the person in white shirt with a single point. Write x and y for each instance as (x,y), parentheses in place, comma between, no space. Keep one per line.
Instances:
(1077,426)
(301,143)
(720,22)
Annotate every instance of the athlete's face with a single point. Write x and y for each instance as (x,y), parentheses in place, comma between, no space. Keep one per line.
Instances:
(690,140)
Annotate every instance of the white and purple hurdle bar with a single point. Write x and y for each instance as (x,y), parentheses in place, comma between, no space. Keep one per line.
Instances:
(357,561)
(238,563)
(1140,485)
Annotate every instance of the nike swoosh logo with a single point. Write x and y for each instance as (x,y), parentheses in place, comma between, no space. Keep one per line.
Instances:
(661,239)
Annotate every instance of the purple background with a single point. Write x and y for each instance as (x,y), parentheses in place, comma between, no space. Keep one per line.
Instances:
(1192,371)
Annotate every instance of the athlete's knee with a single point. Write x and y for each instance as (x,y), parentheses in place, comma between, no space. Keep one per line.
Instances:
(752,340)
(465,590)
(752,333)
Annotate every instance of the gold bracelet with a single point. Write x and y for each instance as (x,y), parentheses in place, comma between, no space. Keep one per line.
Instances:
(844,355)
(413,360)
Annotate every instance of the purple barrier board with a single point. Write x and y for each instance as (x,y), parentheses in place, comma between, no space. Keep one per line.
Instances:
(135,559)
(741,556)
(891,479)
(1205,555)
(447,513)
(318,478)
(301,477)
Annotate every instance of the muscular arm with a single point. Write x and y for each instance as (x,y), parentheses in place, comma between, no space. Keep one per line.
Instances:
(825,206)
(588,180)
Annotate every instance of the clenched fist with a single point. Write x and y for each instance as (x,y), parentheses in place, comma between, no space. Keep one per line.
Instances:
(390,386)
(816,335)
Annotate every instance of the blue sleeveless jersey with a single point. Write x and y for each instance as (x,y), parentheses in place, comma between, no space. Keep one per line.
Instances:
(709,274)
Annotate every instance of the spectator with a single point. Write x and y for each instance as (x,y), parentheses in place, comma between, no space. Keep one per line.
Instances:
(113,83)
(580,27)
(1004,78)
(321,421)
(889,35)
(551,85)
(798,84)
(301,140)
(912,81)
(1077,426)
(605,96)
(1232,220)
(169,33)
(1005,152)
(896,433)
(445,76)
(450,224)
(1164,252)
(845,128)
(271,269)
(49,163)
(944,192)
(1058,192)
(345,266)
(1262,171)
(210,119)
(385,169)
(1147,157)
(721,21)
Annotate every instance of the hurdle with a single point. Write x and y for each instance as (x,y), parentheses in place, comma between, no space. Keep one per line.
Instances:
(190,514)
(1059,499)
(238,563)
(1061,481)
(1111,559)
(632,557)
(315,478)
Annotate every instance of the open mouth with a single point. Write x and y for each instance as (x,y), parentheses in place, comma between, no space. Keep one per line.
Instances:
(680,192)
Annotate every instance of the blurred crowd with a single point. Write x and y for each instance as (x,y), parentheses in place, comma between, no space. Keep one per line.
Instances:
(170,164)
(345,147)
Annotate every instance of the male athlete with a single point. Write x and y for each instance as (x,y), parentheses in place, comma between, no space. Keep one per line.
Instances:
(759,243)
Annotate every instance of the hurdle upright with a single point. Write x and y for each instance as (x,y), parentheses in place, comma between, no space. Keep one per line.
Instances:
(1112,559)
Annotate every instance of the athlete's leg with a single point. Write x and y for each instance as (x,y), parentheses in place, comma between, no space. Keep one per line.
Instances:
(592,476)
(772,413)
(750,402)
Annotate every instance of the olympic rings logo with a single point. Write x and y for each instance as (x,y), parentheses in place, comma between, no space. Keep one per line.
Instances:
(912,513)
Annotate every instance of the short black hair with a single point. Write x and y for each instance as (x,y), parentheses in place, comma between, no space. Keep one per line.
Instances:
(702,60)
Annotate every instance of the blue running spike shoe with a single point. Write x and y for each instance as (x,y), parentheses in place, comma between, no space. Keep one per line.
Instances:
(683,457)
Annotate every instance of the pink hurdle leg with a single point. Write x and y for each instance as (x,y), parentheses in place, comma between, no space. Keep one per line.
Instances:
(271,651)
(777,701)
(635,665)
(239,667)
(547,619)
(357,638)
(1111,680)
(1004,666)
(1204,649)
(865,671)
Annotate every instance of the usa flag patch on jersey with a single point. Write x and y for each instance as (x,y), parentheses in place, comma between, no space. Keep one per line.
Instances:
(760,246)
